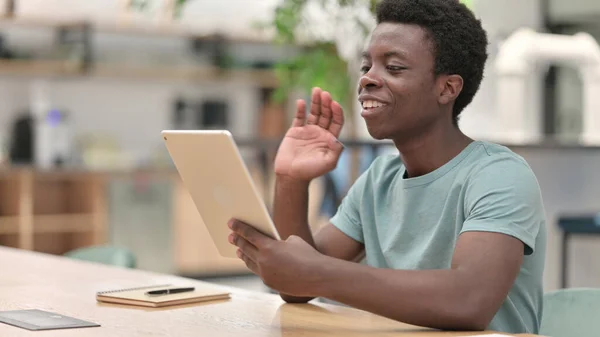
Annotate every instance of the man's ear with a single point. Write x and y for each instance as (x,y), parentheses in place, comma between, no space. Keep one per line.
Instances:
(450,88)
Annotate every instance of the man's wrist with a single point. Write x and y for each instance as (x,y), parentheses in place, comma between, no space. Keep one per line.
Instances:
(288,181)
(325,269)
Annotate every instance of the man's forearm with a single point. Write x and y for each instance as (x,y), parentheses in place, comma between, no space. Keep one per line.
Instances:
(290,209)
(290,215)
(433,298)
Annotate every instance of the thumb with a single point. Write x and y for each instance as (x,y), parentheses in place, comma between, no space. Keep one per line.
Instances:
(291,238)
(294,239)
(336,145)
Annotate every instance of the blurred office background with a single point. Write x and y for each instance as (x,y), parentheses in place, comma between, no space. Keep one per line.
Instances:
(86,86)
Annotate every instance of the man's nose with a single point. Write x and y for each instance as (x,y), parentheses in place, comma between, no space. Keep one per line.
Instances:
(370,80)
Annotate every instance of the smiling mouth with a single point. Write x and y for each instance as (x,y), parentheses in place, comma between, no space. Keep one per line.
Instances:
(371,107)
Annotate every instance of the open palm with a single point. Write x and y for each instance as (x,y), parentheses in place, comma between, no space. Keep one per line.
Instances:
(311,148)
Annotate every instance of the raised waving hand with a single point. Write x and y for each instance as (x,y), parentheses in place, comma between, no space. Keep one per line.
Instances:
(310,147)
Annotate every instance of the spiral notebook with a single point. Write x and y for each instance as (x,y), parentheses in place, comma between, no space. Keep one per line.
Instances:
(137,296)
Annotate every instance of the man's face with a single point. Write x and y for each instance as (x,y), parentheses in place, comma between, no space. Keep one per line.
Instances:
(397,89)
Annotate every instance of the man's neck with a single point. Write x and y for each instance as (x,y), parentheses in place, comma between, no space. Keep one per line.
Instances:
(430,151)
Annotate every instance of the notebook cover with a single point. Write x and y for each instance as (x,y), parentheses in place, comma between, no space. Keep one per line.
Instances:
(42,320)
(137,296)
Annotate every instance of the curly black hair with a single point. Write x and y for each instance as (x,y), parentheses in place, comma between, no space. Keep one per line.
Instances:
(459,40)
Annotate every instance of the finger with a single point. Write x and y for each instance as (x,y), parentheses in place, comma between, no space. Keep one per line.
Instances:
(325,119)
(337,119)
(251,235)
(315,106)
(246,247)
(249,262)
(300,118)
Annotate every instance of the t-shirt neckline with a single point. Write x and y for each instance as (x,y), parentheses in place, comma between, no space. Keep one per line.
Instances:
(440,171)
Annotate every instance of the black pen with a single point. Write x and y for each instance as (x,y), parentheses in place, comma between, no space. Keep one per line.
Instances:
(169,291)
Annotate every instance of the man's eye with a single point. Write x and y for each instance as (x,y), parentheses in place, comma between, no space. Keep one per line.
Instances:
(395,68)
(364,69)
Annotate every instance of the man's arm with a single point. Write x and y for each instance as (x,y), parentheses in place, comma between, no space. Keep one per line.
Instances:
(290,215)
(504,216)
(465,297)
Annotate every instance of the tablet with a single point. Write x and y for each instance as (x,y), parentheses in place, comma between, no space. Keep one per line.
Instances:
(219,183)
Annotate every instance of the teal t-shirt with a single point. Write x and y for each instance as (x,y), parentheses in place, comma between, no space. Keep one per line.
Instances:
(414,223)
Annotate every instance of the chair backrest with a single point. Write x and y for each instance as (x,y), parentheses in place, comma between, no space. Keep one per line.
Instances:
(109,255)
(571,312)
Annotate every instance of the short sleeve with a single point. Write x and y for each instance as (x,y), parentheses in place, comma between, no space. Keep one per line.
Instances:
(347,217)
(504,197)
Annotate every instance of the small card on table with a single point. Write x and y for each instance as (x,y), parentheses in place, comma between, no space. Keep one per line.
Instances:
(34,319)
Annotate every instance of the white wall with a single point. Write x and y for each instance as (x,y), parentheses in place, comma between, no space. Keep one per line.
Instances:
(570,185)
(569,10)
(499,19)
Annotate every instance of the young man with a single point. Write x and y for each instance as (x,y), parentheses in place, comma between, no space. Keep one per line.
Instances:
(453,229)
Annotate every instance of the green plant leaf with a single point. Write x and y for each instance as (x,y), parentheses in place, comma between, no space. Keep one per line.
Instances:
(320,63)
(373,6)
(468,3)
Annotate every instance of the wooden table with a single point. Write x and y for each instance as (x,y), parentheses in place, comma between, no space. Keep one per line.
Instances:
(32,280)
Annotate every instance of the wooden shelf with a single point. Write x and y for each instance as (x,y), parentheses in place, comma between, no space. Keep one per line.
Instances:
(37,22)
(166,29)
(9,225)
(189,72)
(51,211)
(37,68)
(56,223)
(63,223)
(62,69)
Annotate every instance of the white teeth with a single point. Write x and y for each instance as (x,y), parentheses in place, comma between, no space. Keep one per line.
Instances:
(371,104)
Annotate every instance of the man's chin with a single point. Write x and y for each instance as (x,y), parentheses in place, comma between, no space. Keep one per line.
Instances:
(377,134)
